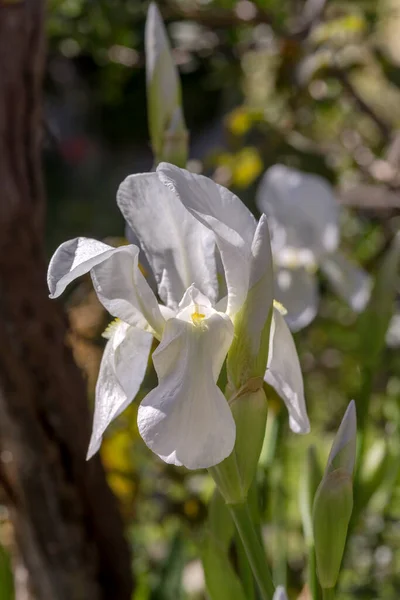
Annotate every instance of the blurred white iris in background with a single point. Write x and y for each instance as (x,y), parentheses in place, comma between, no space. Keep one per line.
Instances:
(303,216)
(186,225)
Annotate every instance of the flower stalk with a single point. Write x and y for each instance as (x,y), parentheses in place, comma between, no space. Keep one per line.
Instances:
(254,550)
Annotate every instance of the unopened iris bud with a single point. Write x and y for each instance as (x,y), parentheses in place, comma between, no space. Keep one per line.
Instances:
(333,506)
(248,355)
(169,137)
(333,502)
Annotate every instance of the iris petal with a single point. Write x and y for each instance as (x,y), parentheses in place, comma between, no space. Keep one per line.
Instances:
(186,419)
(73,259)
(179,249)
(284,373)
(224,214)
(122,370)
(123,290)
(302,210)
(349,281)
(297,290)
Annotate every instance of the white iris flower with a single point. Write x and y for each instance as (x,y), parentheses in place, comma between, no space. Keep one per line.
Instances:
(183,221)
(303,215)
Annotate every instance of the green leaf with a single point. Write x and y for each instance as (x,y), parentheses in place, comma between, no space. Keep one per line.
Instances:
(309,482)
(7,591)
(169,586)
(374,321)
(221,580)
(373,473)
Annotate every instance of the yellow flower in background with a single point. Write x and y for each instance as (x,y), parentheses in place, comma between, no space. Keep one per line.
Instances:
(239,121)
(247,167)
(242,167)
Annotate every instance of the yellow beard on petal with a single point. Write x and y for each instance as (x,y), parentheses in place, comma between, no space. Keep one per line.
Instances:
(197,318)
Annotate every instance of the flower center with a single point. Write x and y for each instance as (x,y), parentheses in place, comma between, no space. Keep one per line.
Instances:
(197,317)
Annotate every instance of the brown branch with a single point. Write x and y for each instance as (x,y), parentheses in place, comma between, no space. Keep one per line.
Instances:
(66,521)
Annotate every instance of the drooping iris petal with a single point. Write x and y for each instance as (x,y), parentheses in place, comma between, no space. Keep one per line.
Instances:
(179,248)
(284,373)
(349,281)
(302,209)
(222,212)
(122,369)
(72,259)
(297,291)
(123,290)
(186,419)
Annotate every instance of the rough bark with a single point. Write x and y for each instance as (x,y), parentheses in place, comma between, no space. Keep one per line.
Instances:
(66,521)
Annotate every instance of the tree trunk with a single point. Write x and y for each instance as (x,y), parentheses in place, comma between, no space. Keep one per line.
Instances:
(66,521)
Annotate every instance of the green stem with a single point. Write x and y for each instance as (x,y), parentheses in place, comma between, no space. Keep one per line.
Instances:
(328,594)
(254,550)
(244,568)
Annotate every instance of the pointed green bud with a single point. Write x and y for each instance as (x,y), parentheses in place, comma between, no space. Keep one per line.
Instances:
(333,502)
(249,410)
(169,137)
(343,452)
(248,354)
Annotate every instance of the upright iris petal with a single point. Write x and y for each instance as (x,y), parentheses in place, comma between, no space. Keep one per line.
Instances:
(297,291)
(303,209)
(224,214)
(180,250)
